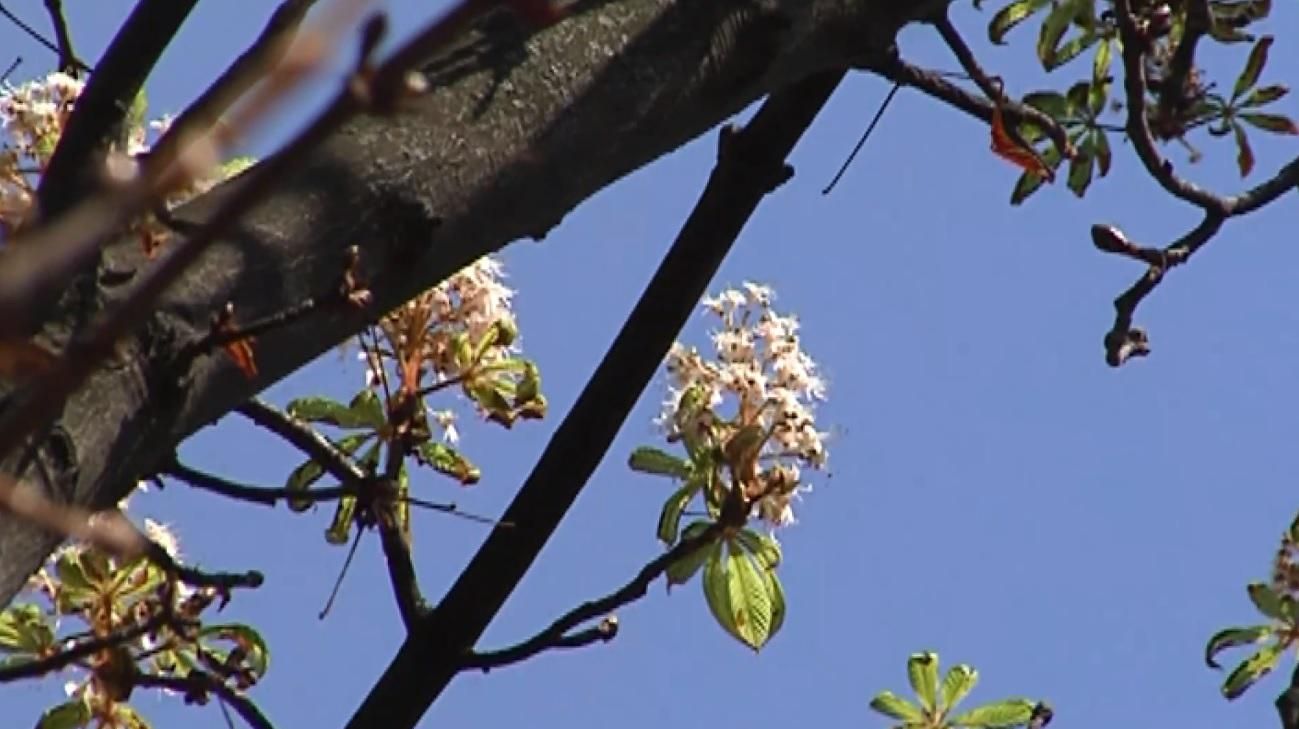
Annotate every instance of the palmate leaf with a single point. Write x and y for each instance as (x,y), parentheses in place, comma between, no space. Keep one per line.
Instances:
(1264,95)
(1080,168)
(659,463)
(1275,123)
(1050,51)
(1008,713)
(302,477)
(957,684)
(447,460)
(1011,16)
(365,411)
(1253,67)
(24,630)
(895,707)
(741,597)
(1029,182)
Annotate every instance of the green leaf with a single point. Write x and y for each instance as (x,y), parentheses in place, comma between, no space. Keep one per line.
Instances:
(660,463)
(1053,28)
(670,516)
(1101,144)
(310,472)
(1008,713)
(1274,123)
(1244,155)
(1011,16)
(445,459)
(1264,95)
(1251,670)
(739,597)
(331,412)
(765,550)
(1028,182)
(257,657)
(24,630)
(895,707)
(68,715)
(682,570)
(1101,62)
(922,672)
(1231,638)
(340,527)
(1267,601)
(529,383)
(1253,67)
(234,166)
(777,593)
(128,718)
(957,684)
(365,411)
(1080,169)
(1051,103)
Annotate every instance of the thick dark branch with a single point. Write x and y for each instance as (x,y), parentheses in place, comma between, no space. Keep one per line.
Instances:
(750,164)
(198,684)
(1287,704)
(103,106)
(263,495)
(556,635)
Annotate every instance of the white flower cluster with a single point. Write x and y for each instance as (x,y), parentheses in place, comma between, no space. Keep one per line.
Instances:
(466,306)
(761,368)
(32,117)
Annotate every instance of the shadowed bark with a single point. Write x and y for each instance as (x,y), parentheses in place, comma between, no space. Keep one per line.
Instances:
(517,131)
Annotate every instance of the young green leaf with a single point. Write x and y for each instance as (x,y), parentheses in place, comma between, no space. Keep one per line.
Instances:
(660,463)
(1231,638)
(24,630)
(1101,62)
(1029,182)
(1051,103)
(447,460)
(895,707)
(365,411)
(1101,144)
(1053,28)
(257,656)
(340,527)
(957,684)
(1266,600)
(682,570)
(670,516)
(738,596)
(777,593)
(319,409)
(127,717)
(68,715)
(1008,713)
(765,550)
(1080,169)
(1011,16)
(1275,123)
(310,472)
(1253,67)
(1264,95)
(1251,670)
(922,672)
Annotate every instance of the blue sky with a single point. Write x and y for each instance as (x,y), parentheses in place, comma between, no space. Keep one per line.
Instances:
(996,492)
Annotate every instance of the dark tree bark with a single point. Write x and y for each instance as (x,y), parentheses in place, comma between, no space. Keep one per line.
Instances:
(518,131)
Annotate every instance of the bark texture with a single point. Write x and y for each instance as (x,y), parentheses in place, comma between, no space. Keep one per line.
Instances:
(518,130)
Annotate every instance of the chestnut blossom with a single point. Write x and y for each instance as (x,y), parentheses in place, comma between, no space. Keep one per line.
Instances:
(757,375)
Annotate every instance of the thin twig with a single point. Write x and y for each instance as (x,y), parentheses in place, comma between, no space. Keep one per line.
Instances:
(36,35)
(556,635)
(200,683)
(879,114)
(304,438)
(338,583)
(68,61)
(394,537)
(4,77)
(81,649)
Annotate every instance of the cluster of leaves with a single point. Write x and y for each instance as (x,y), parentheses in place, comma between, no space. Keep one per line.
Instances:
(460,334)
(740,466)
(1070,28)
(935,704)
(1278,602)
(106,597)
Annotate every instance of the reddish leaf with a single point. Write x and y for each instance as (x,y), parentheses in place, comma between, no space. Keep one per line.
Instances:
(1244,155)
(241,351)
(1271,122)
(1008,145)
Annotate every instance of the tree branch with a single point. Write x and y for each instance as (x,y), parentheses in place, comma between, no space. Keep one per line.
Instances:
(82,649)
(198,684)
(304,438)
(36,35)
(556,635)
(68,61)
(749,165)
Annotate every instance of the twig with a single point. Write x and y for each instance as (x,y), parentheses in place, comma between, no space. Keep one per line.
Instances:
(304,438)
(879,114)
(338,583)
(68,61)
(556,635)
(991,88)
(18,61)
(750,165)
(1124,341)
(82,649)
(197,684)
(36,35)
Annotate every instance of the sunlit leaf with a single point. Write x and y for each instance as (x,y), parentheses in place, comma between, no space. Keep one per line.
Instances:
(739,597)
(661,463)
(895,707)
(765,550)
(1275,123)
(340,526)
(1231,638)
(1267,601)
(445,459)
(957,684)
(24,629)
(922,672)
(1010,16)
(128,718)
(1008,713)
(670,515)
(315,409)
(1251,670)
(682,570)
(67,715)
(1253,67)
(1101,62)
